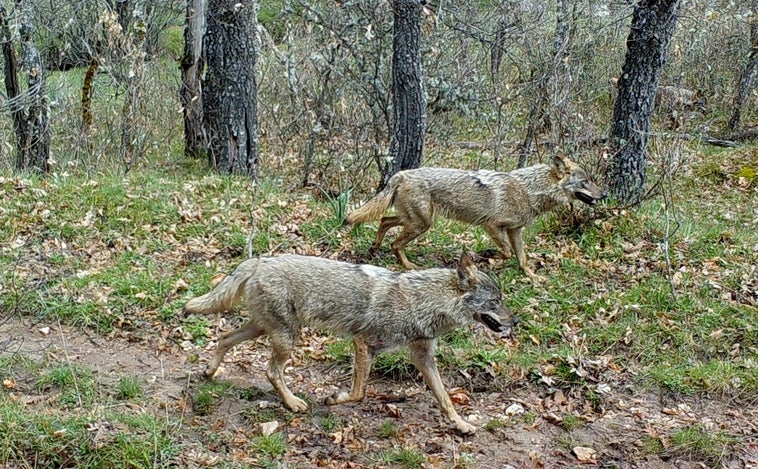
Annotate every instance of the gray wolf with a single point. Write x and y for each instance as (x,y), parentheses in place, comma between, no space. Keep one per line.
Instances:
(503,203)
(378,308)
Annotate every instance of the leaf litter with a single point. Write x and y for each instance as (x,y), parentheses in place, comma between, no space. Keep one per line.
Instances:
(612,416)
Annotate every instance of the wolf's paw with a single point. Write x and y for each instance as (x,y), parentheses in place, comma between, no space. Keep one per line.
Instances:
(296,405)
(465,427)
(208,372)
(535,278)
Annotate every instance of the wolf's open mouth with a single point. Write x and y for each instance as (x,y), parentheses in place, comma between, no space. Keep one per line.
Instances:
(496,325)
(587,199)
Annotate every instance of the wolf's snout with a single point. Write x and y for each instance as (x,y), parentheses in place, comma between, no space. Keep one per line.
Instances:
(515,321)
(604,194)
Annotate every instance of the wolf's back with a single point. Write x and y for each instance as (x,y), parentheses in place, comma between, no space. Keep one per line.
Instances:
(375,208)
(226,294)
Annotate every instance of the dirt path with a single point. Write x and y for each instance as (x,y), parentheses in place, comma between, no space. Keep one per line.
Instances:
(532,429)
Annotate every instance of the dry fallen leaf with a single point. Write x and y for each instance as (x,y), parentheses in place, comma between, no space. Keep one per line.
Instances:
(459,396)
(9,383)
(585,454)
(267,428)
(514,409)
(180,285)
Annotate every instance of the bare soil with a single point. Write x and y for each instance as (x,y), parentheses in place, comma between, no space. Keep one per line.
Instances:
(614,430)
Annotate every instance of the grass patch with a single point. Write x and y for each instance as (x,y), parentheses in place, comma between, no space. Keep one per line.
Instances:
(329,423)
(208,396)
(388,429)
(697,443)
(408,458)
(129,387)
(394,365)
(76,385)
(571,422)
(272,446)
(57,440)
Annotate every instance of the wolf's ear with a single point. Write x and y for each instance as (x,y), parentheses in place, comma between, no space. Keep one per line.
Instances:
(467,271)
(560,163)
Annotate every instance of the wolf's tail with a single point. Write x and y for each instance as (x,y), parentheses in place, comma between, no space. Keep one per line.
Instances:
(226,294)
(375,208)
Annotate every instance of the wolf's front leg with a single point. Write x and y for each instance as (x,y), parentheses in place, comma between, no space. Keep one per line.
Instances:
(517,243)
(364,355)
(422,356)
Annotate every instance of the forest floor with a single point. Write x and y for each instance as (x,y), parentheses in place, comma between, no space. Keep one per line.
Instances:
(398,424)
(638,350)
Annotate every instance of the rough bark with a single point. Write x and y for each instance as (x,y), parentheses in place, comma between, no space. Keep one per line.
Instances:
(230,105)
(653,23)
(10,73)
(409,126)
(748,74)
(191,91)
(34,140)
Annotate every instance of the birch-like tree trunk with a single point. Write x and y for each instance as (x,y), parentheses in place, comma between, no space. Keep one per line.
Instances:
(192,67)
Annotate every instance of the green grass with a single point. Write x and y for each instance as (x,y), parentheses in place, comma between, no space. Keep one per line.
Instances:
(697,443)
(273,445)
(54,439)
(76,385)
(329,423)
(407,458)
(208,396)
(129,387)
(388,429)
(571,422)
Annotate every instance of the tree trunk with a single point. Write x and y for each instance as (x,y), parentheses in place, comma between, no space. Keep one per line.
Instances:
(12,87)
(506,21)
(407,142)
(748,74)
(230,106)
(192,67)
(132,142)
(34,140)
(653,23)
(89,78)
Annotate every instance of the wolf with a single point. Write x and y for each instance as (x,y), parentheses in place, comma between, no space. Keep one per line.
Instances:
(376,307)
(503,203)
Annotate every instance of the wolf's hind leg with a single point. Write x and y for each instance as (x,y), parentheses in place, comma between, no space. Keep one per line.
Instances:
(398,246)
(385,225)
(409,233)
(518,247)
(498,235)
(230,339)
(364,356)
(422,356)
(280,353)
